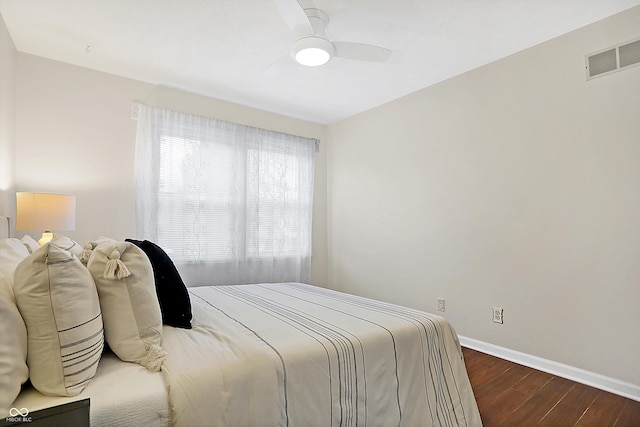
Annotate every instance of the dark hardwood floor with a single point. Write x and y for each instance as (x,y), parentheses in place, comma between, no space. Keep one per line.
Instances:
(509,394)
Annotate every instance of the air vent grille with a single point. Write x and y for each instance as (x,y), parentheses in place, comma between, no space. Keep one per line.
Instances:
(613,59)
(602,62)
(629,54)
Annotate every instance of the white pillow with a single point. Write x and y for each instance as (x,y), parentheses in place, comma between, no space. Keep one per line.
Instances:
(30,243)
(132,318)
(13,334)
(12,251)
(67,244)
(13,347)
(90,246)
(59,304)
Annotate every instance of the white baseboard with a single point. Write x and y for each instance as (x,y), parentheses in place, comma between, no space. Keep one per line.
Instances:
(622,388)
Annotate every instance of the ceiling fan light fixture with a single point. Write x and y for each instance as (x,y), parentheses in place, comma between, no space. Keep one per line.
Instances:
(312,51)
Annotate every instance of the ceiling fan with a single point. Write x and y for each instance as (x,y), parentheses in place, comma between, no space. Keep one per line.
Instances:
(313,47)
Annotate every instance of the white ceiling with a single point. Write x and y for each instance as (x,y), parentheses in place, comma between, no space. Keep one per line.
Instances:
(237,50)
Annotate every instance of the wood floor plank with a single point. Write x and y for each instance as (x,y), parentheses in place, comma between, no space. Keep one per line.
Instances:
(492,371)
(571,407)
(493,413)
(476,361)
(540,404)
(496,410)
(535,381)
(630,415)
(502,383)
(604,411)
(509,394)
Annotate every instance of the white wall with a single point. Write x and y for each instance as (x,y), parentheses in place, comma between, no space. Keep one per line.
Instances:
(8,56)
(75,135)
(513,185)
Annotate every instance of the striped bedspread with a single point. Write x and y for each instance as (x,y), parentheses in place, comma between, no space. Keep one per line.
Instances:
(297,355)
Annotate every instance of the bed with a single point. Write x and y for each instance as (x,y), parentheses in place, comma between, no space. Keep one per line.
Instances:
(285,354)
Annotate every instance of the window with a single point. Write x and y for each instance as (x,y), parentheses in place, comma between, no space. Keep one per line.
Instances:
(192,199)
(231,202)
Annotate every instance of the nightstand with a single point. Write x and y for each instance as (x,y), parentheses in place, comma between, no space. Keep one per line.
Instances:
(74,414)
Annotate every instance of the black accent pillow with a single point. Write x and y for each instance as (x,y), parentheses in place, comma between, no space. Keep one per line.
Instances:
(172,293)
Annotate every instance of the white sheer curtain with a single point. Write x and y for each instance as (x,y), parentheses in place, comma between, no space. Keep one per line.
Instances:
(228,202)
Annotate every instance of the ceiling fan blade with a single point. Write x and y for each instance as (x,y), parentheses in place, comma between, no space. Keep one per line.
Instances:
(293,14)
(361,51)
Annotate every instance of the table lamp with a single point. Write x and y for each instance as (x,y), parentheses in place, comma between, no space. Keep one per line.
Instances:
(44,211)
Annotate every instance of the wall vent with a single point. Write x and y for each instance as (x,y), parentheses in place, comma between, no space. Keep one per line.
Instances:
(613,59)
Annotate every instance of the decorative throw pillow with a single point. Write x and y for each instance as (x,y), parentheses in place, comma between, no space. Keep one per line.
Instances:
(30,243)
(67,244)
(132,317)
(90,246)
(172,293)
(13,334)
(12,251)
(59,304)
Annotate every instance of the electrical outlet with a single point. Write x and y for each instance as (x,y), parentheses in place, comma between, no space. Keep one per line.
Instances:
(440,304)
(497,315)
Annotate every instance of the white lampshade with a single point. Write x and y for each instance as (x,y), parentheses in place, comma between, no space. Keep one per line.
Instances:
(44,211)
